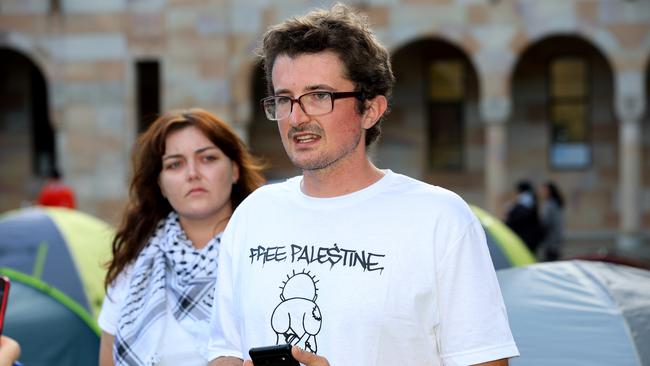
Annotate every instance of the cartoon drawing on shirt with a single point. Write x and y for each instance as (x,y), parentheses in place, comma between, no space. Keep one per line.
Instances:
(297,319)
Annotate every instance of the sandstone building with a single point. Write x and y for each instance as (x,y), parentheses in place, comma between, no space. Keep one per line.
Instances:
(488,92)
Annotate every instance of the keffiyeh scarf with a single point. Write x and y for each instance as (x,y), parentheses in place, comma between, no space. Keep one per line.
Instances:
(168,269)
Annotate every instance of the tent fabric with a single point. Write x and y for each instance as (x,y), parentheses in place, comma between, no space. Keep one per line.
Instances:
(506,248)
(51,328)
(499,258)
(89,240)
(30,232)
(63,247)
(578,313)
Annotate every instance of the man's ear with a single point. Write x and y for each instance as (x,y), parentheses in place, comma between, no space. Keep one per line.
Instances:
(375,109)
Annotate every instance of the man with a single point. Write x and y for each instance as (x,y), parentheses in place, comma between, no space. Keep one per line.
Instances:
(522,216)
(352,264)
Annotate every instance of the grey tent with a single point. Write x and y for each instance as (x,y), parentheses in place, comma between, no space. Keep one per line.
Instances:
(577,313)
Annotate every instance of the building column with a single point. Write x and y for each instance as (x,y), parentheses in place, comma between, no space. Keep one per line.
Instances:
(494,113)
(630,105)
(630,181)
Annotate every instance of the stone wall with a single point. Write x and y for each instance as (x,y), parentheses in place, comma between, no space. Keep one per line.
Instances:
(87,52)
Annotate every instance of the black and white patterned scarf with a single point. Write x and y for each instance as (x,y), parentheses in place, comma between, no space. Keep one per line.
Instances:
(169,268)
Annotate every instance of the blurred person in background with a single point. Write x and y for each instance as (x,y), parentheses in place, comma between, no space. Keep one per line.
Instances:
(55,192)
(522,216)
(190,172)
(552,220)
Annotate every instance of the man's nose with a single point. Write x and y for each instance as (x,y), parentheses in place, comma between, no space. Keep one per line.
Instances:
(298,115)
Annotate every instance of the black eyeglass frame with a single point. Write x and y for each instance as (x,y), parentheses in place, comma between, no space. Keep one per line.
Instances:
(333,96)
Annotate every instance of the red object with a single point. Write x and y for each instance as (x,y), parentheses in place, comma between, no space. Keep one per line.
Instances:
(56,194)
(4,294)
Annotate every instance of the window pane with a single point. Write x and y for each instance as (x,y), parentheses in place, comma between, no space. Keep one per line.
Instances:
(445,136)
(568,78)
(446,157)
(573,155)
(446,81)
(147,92)
(568,122)
(569,96)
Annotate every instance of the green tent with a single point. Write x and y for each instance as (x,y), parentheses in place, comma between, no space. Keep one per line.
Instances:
(65,248)
(506,248)
(51,328)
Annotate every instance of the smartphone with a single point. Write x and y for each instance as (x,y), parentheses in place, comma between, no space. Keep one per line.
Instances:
(4,295)
(273,356)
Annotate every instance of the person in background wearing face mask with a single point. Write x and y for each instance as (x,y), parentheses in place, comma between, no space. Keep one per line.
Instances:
(522,216)
(190,172)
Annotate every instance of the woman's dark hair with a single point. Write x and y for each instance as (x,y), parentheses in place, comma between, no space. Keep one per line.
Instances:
(344,32)
(555,194)
(147,206)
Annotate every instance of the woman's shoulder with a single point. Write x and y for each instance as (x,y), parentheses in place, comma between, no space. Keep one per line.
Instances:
(120,285)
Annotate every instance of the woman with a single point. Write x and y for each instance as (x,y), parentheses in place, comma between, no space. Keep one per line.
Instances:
(190,173)
(552,221)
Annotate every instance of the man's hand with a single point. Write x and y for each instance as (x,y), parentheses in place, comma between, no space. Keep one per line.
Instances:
(308,358)
(302,356)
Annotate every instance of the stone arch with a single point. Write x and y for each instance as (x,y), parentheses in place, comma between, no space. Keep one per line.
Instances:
(264,139)
(546,142)
(411,137)
(599,38)
(242,96)
(462,40)
(521,48)
(26,46)
(26,130)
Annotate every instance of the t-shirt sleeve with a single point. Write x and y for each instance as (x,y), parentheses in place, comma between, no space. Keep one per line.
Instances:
(224,334)
(115,295)
(473,320)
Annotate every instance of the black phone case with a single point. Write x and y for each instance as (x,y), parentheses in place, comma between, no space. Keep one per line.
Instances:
(273,356)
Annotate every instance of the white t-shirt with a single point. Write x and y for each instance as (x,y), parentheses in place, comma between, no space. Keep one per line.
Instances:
(398,273)
(177,346)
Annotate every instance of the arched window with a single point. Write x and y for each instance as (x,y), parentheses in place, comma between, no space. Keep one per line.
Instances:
(568,108)
(446,97)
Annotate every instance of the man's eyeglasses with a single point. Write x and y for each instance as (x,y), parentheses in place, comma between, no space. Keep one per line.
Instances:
(314,103)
